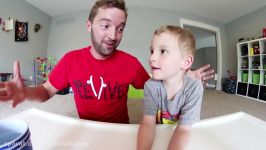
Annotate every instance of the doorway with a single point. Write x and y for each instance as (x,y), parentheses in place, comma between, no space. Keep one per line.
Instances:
(208,48)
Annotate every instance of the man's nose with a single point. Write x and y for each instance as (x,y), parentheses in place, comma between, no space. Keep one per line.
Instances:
(112,34)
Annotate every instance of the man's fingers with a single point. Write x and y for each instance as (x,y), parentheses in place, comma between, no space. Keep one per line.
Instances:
(16,69)
(207,72)
(14,104)
(205,67)
(207,77)
(2,85)
(2,90)
(4,97)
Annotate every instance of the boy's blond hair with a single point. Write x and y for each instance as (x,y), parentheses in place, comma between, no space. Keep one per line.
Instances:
(184,38)
(120,4)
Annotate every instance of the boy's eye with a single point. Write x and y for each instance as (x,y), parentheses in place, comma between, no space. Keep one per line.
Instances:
(151,51)
(163,51)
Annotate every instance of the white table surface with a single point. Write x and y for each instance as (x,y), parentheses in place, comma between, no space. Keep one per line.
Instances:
(49,131)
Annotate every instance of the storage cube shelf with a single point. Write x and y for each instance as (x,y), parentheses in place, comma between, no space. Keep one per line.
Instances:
(251,74)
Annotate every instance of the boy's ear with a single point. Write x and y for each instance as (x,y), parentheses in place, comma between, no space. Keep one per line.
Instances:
(89,24)
(188,61)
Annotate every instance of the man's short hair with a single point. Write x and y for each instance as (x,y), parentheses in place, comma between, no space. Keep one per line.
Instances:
(120,4)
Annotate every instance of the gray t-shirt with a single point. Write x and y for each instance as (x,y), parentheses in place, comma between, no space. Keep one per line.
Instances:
(184,109)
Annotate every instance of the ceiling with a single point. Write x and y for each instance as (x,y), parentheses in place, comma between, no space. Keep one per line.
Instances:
(222,11)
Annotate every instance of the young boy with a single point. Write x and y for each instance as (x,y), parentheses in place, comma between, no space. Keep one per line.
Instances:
(171,97)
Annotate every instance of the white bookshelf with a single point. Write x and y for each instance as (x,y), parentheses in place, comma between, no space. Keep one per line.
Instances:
(251,73)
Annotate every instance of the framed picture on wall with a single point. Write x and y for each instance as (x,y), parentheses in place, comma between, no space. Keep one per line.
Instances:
(21,31)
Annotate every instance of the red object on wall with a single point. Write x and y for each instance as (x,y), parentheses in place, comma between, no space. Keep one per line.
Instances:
(264,32)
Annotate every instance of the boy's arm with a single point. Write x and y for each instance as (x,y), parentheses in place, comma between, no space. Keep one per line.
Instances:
(146,133)
(189,114)
(180,138)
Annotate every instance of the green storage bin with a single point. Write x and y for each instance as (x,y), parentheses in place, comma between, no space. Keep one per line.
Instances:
(264,66)
(244,77)
(265,79)
(135,93)
(256,78)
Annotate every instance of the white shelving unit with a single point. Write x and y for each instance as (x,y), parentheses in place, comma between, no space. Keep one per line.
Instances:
(251,73)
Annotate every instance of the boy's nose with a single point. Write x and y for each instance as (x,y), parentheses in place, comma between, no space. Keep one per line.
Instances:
(153,58)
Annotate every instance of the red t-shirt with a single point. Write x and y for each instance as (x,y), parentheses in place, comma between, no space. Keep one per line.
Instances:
(100,86)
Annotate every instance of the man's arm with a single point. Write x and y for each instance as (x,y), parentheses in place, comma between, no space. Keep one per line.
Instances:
(42,92)
(146,133)
(16,91)
(180,138)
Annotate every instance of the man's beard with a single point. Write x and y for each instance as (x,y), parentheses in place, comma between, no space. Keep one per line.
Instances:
(100,49)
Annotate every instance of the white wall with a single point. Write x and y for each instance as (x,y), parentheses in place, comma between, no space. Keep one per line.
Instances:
(209,41)
(70,32)
(22,51)
(245,27)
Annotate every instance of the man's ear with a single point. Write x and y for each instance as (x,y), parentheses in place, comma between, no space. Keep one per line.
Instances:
(89,24)
(188,61)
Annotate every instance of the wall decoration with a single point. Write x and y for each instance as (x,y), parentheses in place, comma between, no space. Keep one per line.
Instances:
(21,31)
(264,32)
(8,24)
(37,27)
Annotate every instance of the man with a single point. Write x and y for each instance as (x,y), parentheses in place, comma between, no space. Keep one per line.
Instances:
(99,74)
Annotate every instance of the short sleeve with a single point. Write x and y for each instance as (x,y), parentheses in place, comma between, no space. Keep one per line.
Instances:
(58,76)
(140,77)
(190,112)
(149,104)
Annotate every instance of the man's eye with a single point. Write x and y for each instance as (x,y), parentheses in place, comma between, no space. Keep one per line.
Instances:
(151,51)
(121,29)
(105,26)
